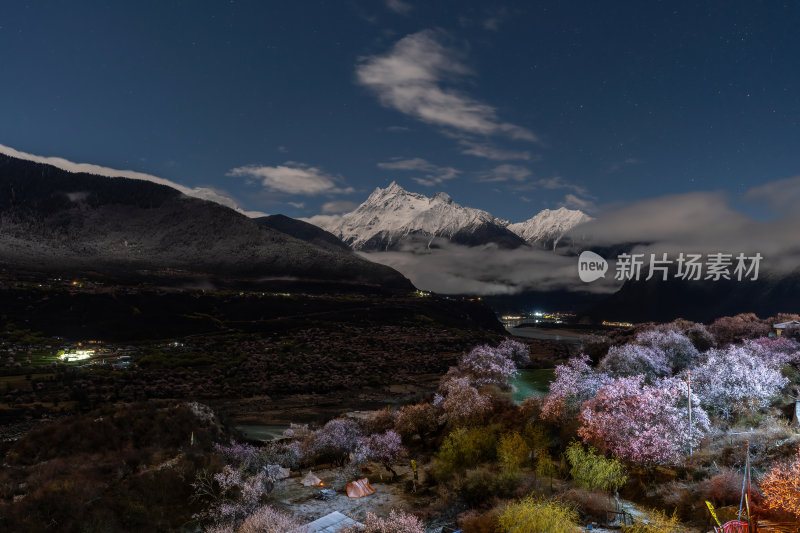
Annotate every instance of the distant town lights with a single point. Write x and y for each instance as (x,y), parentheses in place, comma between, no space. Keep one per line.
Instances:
(77,355)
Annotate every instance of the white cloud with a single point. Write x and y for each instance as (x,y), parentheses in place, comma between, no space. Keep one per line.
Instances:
(434,174)
(297,205)
(338,207)
(550,184)
(204,193)
(411,78)
(325,222)
(449,268)
(698,222)
(292,178)
(574,202)
(488,151)
(399,6)
(506,172)
(782,196)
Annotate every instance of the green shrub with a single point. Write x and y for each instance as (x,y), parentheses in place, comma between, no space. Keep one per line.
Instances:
(512,451)
(464,448)
(533,515)
(536,437)
(593,471)
(478,485)
(655,521)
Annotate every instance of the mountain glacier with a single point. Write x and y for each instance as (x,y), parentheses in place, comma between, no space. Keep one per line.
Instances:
(547,227)
(393,217)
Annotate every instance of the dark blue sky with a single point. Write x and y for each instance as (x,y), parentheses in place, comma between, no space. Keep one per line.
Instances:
(508,107)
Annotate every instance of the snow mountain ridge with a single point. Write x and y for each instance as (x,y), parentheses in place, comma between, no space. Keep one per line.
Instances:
(393,216)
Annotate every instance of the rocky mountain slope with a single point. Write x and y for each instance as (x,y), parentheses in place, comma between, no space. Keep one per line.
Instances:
(302,230)
(59,221)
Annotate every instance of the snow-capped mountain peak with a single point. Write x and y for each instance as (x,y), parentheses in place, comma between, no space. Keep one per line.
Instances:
(548,226)
(393,214)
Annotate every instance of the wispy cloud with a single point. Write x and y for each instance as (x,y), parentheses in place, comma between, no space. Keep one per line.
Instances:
(781,196)
(627,162)
(575,202)
(433,174)
(338,207)
(292,178)
(413,77)
(204,193)
(557,182)
(297,205)
(326,222)
(489,151)
(399,6)
(550,184)
(492,23)
(506,172)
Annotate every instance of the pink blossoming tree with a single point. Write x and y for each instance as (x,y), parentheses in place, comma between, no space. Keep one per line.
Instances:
(575,382)
(460,401)
(488,366)
(334,441)
(642,423)
(737,380)
(385,448)
(516,351)
(678,350)
(635,360)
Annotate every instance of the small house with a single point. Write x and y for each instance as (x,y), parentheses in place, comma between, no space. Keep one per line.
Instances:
(783,325)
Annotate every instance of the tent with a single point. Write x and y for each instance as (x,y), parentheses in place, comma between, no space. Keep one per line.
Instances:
(359,488)
(310,480)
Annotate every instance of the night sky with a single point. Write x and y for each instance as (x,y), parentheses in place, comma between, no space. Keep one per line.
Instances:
(304,107)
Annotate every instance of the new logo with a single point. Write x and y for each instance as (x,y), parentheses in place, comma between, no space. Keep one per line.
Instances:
(591,267)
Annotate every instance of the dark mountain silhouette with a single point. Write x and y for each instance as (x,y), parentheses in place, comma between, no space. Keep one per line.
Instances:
(702,301)
(303,231)
(52,220)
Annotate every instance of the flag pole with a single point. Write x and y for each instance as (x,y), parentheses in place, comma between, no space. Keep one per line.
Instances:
(689,396)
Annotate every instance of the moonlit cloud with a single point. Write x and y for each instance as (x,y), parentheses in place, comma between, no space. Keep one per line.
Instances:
(292,178)
(781,196)
(323,221)
(506,173)
(399,6)
(256,214)
(492,23)
(416,76)
(454,269)
(550,184)
(433,174)
(203,193)
(338,207)
(488,151)
(575,202)
(699,222)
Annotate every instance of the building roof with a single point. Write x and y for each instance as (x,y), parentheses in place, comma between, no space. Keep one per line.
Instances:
(330,523)
(783,325)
